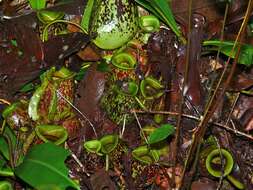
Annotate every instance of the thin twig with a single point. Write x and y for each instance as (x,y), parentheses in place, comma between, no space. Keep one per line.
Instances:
(182,100)
(222,164)
(218,53)
(73,106)
(139,124)
(3,101)
(121,133)
(233,107)
(77,160)
(196,119)
(218,95)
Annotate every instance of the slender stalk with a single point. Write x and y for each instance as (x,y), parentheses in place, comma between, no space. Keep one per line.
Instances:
(2,127)
(186,70)
(226,127)
(10,145)
(106,162)
(3,101)
(85,117)
(196,157)
(73,155)
(202,126)
(222,165)
(139,124)
(218,52)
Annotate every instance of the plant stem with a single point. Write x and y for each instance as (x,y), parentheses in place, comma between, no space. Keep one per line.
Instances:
(106,162)
(219,48)
(139,124)
(10,146)
(212,105)
(196,119)
(75,108)
(181,101)
(3,101)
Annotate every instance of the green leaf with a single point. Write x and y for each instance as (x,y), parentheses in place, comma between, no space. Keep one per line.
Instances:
(103,67)
(246,52)
(161,133)
(4,147)
(27,87)
(44,165)
(5,170)
(37,4)
(162,10)
(146,5)
(87,14)
(80,75)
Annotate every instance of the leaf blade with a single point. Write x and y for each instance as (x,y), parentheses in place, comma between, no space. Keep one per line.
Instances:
(161,133)
(162,10)
(37,4)
(4,147)
(226,47)
(43,165)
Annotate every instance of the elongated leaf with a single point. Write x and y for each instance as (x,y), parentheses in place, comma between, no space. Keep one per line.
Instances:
(87,14)
(37,4)
(162,10)
(161,133)
(43,166)
(5,170)
(246,52)
(4,147)
(146,5)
